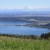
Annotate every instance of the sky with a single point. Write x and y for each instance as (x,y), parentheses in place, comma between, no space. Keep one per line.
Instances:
(25,4)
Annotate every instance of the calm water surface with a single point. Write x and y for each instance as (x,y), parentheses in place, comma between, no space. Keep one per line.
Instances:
(21,30)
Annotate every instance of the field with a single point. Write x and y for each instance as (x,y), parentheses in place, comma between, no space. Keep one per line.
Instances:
(9,43)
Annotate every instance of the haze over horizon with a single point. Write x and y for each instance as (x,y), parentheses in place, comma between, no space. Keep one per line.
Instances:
(25,4)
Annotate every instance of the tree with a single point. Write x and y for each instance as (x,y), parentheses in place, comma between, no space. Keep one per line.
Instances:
(45,36)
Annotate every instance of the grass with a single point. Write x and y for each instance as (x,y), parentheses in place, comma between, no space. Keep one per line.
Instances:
(9,43)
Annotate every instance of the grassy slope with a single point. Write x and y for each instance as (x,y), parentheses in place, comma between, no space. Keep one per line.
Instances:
(8,43)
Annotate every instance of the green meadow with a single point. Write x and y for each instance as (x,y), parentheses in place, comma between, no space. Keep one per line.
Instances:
(11,43)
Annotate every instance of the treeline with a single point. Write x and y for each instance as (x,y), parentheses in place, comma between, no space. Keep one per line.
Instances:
(45,36)
(42,36)
(19,36)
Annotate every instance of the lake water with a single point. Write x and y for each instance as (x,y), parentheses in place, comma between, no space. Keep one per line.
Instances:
(20,30)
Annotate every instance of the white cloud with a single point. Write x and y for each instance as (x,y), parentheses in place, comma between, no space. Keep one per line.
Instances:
(37,7)
(16,7)
(27,7)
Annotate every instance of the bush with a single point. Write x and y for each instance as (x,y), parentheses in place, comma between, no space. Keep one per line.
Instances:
(45,36)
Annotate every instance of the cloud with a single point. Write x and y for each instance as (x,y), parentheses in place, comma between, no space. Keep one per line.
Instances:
(14,7)
(26,7)
(37,7)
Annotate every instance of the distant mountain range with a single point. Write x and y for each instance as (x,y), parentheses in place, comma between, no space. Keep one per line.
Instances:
(32,18)
(24,13)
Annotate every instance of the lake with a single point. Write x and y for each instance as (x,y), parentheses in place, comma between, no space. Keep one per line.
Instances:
(11,28)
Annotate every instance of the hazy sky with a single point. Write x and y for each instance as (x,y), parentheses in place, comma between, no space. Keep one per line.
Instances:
(24,4)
